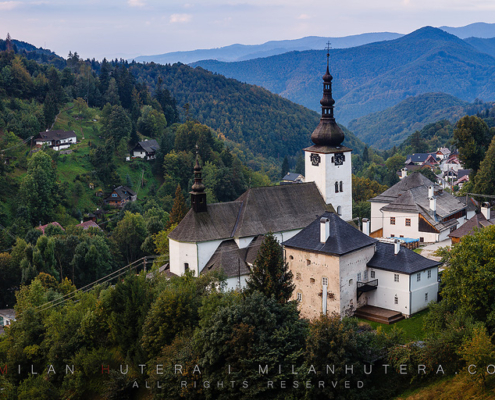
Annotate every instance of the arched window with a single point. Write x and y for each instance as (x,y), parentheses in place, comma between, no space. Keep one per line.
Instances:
(341,186)
(396,299)
(336,187)
(339,210)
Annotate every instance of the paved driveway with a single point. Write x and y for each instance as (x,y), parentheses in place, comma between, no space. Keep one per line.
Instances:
(429,249)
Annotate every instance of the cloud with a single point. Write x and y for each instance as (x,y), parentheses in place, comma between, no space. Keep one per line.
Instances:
(136,3)
(180,18)
(304,16)
(8,5)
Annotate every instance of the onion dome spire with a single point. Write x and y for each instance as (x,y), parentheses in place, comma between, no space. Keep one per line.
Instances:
(198,195)
(327,133)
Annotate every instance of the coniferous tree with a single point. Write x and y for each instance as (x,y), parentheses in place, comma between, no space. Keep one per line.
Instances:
(179,208)
(300,165)
(485,178)
(270,275)
(285,167)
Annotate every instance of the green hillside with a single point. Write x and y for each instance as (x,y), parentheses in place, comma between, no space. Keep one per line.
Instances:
(263,123)
(376,76)
(388,128)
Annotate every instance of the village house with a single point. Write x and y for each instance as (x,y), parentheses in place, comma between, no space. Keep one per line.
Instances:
(213,236)
(337,268)
(119,196)
(292,177)
(478,221)
(146,149)
(57,140)
(417,208)
(7,316)
(43,227)
(88,224)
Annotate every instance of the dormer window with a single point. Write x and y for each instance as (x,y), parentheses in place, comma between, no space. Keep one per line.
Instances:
(114,194)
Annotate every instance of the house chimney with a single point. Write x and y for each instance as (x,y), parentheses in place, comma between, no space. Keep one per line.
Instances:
(430,192)
(403,173)
(433,205)
(324,229)
(366,226)
(485,210)
(396,246)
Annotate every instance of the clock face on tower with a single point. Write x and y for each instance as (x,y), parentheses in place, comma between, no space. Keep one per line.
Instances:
(339,159)
(315,159)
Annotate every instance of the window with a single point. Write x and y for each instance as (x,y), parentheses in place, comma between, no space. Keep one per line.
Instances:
(350,282)
(186,266)
(426,296)
(336,187)
(429,273)
(402,236)
(359,277)
(372,274)
(339,210)
(366,275)
(408,221)
(312,280)
(422,239)
(341,186)
(396,277)
(114,194)
(396,300)
(291,257)
(418,277)
(308,262)
(392,235)
(324,281)
(299,297)
(392,220)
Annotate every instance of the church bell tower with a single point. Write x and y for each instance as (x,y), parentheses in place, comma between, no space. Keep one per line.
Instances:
(198,195)
(327,162)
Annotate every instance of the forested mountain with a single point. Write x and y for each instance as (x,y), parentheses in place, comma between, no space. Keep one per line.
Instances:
(263,123)
(478,29)
(388,128)
(376,76)
(484,45)
(239,52)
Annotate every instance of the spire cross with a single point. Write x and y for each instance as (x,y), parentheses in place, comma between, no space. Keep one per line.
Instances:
(328,51)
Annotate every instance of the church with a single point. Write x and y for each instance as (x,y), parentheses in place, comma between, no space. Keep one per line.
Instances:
(336,267)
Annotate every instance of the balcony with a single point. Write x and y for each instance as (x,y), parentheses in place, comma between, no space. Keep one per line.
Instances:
(363,287)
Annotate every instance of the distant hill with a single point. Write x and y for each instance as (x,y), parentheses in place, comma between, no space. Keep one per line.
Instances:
(484,45)
(240,52)
(390,127)
(376,76)
(263,123)
(478,29)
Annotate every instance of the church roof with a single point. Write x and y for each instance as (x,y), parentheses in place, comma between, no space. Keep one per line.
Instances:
(343,238)
(257,211)
(406,261)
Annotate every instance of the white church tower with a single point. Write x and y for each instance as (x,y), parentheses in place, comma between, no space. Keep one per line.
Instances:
(327,162)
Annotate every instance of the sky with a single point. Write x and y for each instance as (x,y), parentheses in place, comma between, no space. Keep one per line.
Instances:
(128,28)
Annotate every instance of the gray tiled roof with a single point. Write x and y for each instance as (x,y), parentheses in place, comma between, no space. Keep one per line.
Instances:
(477,221)
(56,135)
(291,176)
(419,157)
(229,258)
(343,238)
(150,146)
(256,212)
(410,181)
(406,261)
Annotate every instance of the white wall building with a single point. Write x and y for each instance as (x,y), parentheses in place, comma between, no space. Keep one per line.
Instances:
(416,208)
(57,140)
(354,270)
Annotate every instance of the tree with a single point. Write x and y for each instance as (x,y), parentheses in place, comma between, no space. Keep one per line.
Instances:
(39,188)
(485,178)
(116,123)
(425,171)
(471,137)
(50,109)
(285,167)
(418,143)
(364,189)
(480,352)
(395,163)
(179,208)
(300,165)
(129,235)
(270,275)
(469,273)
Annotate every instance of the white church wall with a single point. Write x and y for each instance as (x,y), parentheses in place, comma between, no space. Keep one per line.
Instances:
(233,282)
(182,253)
(206,251)
(326,174)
